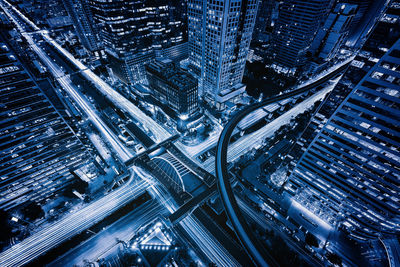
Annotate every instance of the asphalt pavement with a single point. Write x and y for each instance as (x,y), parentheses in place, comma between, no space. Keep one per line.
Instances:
(123,229)
(70,225)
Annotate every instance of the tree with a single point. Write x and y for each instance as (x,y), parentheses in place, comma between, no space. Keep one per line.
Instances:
(67,192)
(269,233)
(32,211)
(283,254)
(80,186)
(311,240)
(5,233)
(87,199)
(334,258)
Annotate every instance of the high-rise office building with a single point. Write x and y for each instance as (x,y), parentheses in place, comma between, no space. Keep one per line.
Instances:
(295,29)
(173,87)
(264,20)
(365,18)
(81,15)
(332,35)
(38,150)
(119,23)
(135,32)
(219,37)
(349,173)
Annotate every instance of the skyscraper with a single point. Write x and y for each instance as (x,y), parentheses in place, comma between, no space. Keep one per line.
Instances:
(219,37)
(332,35)
(81,15)
(135,32)
(265,16)
(38,150)
(367,13)
(295,29)
(349,174)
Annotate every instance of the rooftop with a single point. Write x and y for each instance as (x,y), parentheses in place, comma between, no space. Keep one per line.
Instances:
(172,73)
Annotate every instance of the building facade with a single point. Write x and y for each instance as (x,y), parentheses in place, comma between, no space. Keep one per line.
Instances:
(295,29)
(136,32)
(264,22)
(367,13)
(173,87)
(81,15)
(219,37)
(333,34)
(38,150)
(348,174)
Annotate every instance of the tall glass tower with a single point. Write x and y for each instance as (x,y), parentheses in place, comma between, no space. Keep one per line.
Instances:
(81,15)
(135,32)
(349,174)
(219,39)
(297,24)
(332,35)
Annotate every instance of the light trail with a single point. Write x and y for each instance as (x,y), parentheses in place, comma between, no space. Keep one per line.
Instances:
(160,134)
(245,235)
(325,72)
(211,141)
(199,235)
(66,84)
(247,142)
(207,243)
(79,99)
(72,224)
(123,229)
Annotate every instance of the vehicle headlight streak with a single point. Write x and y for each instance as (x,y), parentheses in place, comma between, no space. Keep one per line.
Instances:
(159,132)
(67,85)
(74,223)
(259,256)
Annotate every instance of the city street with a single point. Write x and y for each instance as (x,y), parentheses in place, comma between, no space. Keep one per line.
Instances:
(247,142)
(158,131)
(214,250)
(199,235)
(265,223)
(123,229)
(199,133)
(211,141)
(70,225)
(207,243)
(78,97)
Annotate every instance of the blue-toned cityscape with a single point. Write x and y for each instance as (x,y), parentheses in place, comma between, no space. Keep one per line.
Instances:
(200,133)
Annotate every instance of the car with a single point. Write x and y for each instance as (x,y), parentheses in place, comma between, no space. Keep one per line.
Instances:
(319,256)
(287,230)
(139,148)
(295,237)
(309,248)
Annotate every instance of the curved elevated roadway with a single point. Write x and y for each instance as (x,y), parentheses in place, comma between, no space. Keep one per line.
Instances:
(260,256)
